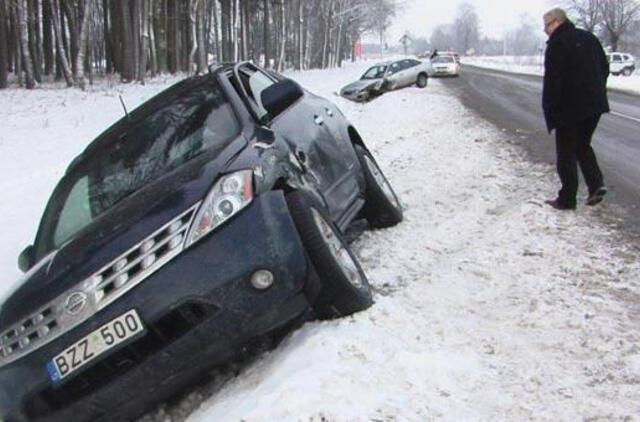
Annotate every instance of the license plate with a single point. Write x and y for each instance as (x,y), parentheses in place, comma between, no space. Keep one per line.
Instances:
(95,344)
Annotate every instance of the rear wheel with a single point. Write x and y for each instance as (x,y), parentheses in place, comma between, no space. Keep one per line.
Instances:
(422,80)
(345,288)
(626,71)
(382,207)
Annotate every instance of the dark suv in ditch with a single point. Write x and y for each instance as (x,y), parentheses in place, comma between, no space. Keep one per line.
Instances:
(209,216)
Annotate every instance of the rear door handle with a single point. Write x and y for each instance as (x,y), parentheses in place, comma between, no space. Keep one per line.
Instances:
(318,119)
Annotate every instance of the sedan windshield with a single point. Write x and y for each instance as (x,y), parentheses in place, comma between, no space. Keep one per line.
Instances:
(376,72)
(159,137)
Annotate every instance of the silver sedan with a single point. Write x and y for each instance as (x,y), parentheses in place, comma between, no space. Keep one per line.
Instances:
(388,76)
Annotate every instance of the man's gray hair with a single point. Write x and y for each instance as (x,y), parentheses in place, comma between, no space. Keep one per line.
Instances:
(556,13)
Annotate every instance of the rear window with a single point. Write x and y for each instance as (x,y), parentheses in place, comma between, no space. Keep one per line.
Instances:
(133,154)
(443,59)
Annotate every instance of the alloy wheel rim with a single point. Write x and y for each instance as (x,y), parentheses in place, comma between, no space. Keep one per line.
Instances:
(381,181)
(338,251)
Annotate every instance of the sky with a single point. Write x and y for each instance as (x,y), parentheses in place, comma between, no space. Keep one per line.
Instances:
(420,17)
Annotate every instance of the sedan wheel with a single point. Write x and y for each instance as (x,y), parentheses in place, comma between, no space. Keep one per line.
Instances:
(422,80)
(345,288)
(626,71)
(382,207)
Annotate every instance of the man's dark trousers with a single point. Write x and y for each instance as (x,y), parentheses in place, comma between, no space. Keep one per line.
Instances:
(573,147)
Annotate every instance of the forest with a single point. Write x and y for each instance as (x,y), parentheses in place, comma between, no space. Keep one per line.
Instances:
(76,41)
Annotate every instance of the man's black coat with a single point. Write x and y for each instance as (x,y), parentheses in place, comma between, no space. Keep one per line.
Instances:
(575,77)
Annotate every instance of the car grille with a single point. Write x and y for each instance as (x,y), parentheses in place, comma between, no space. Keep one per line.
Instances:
(99,290)
(128,270)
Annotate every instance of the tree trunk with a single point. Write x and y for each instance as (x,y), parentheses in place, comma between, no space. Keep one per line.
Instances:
(74,33)
(265,4)
(4,56)
(144,41)
(82,47)
(21,18)
(283,36)
(47,38)
(62,54)
(136,13)
(193,12)
(127,73)
(35,44)
(216,35)
(202,46)
(153,54)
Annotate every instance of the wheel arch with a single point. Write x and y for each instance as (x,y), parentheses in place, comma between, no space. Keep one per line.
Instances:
(355,137)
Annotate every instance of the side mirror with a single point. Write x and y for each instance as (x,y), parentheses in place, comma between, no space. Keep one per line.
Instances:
(26,259)
(280,96)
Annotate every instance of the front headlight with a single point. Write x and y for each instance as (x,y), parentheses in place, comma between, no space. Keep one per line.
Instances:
(228,196)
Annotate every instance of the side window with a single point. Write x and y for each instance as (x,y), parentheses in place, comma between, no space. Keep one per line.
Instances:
(394,68)
(616,58)
(406,64)
(626,58)
(76,212)
(254,82)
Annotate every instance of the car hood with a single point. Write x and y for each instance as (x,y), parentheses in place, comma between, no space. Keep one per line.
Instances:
(360,85)
(113,233)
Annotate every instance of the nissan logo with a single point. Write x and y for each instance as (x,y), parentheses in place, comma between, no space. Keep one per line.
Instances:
(75,303)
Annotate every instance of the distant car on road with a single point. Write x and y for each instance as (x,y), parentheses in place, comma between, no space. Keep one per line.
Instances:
(445,65)
(388,76)
(206,219)
(621,63)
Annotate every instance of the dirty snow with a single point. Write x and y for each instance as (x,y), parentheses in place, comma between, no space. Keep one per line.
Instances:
(489,305)
(533,65)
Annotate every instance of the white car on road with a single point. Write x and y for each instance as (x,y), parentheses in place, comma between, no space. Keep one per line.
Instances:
(621,63)
(445,66)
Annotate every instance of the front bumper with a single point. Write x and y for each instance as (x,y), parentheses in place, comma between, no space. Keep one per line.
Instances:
(198,310)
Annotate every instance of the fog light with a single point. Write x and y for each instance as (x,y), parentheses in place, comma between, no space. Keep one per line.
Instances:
(262,279)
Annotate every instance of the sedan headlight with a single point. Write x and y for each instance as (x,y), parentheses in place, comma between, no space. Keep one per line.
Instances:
(228,196)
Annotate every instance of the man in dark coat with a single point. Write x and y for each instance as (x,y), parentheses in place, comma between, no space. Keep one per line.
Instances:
(573,99)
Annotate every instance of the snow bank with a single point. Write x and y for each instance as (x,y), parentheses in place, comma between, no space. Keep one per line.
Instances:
(532,65)
(489,305)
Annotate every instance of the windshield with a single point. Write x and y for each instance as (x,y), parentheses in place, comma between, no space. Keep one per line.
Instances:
(442,59)
(159,137)
(376,72)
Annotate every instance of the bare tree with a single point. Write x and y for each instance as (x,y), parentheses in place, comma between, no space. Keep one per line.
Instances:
(467,27)
(617,16)
(587,13)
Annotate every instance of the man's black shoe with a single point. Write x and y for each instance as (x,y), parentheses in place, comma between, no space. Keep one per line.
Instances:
(560,205)
(596,197)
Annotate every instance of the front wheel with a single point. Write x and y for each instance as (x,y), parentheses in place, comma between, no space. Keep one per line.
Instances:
(422,80)
(626,71)
(345,288)
(382,207)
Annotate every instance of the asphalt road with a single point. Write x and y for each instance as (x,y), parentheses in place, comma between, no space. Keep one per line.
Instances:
(512,102)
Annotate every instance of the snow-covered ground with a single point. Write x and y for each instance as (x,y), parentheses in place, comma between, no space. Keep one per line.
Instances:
(532,65)
(489,305)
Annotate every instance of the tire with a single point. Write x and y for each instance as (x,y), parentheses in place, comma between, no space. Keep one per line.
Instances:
(626,71)
(382,207)
(422,80)
(345,288)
